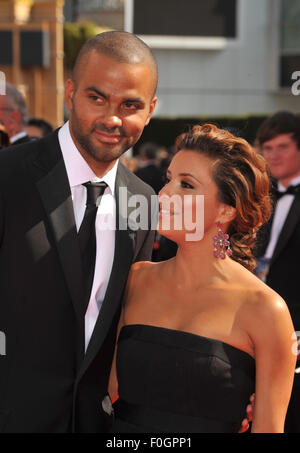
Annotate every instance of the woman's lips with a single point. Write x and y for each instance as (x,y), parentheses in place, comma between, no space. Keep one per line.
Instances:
(108,138)
(169,213)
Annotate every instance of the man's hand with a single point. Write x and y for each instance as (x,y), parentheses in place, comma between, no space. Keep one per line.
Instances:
(249,414)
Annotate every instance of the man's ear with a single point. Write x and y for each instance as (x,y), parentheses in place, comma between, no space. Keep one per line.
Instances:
(69,93)
(151,110)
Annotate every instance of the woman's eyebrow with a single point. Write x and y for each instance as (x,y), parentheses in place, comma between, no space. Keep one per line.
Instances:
(189,174)
(168,172)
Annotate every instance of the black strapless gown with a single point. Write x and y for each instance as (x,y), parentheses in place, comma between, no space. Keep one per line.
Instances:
(177,382)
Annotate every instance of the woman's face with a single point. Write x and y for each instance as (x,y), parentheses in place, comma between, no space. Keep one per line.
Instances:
(188,202)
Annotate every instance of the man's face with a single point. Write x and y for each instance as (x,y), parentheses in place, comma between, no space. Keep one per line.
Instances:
(110,103)
(7,115)
(34,131)
(283,157)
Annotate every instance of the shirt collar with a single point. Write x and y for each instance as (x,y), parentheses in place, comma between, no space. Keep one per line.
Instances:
(293,182)
(16,137)
(78,170)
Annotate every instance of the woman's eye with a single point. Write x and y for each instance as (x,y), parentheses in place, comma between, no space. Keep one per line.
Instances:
(186,185)
(166,180)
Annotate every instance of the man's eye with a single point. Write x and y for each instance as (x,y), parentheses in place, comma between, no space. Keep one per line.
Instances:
(186,185)
(94,97)
(131,106)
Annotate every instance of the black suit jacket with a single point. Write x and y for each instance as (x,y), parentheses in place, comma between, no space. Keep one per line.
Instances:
(47,383)
(284,274)
(151,175)
(23,140)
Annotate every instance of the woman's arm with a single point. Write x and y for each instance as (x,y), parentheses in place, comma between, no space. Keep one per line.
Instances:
(129,290)
(272,334)
(113,381)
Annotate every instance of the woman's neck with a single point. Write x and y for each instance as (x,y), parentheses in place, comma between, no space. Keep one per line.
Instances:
(196,266)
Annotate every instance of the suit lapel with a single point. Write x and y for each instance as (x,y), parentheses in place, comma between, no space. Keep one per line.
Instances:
(124,250)
(288,228)
(54,190)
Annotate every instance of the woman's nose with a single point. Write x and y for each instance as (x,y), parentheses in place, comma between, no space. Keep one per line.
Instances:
(163,196)
(163,192)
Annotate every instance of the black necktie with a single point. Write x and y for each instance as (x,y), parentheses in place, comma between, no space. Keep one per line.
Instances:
(87,233)
(291,190)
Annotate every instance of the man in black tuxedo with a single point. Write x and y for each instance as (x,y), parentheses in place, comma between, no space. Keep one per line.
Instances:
(278,246)
(149,171)
(13,115)
(59,304)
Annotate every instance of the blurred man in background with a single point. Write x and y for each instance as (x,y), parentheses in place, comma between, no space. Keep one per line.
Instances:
(4,139)
(278,246)
(38,128)
(13,115)
(149,171)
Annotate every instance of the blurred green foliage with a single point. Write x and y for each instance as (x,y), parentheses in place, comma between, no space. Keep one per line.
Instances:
(75,35)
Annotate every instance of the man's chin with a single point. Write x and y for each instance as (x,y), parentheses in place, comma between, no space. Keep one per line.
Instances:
(106,153)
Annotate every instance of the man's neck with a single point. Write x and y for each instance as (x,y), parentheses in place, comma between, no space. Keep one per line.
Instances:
(17,136)
(292,179)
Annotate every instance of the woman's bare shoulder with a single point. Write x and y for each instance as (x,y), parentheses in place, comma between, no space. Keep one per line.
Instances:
(260,296)
(258,302)
(142,268)
(143,279)
(141,265)
(263,309)
(142,271)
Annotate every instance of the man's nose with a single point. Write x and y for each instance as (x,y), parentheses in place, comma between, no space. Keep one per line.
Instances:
(111,119)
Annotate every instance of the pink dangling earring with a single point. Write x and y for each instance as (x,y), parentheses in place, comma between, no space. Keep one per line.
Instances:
(221,244)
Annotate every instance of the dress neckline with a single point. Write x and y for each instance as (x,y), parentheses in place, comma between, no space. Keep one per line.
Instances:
(188,333)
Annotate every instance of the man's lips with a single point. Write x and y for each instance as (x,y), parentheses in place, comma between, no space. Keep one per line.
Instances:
(108,138)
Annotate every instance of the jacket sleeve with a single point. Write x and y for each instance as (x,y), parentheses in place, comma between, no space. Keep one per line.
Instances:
(145,252)
(1,219)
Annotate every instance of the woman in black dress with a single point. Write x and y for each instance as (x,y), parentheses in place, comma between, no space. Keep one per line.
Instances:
(199,333)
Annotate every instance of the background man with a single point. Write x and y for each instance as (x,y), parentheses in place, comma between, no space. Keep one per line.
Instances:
(38,128)
(13,115)
(59,308)
(279,240)
(4,139)
(149,171)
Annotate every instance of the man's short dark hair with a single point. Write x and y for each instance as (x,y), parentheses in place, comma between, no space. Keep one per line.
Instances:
(45,127)
(121,46)
(148,150)
(281,123)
